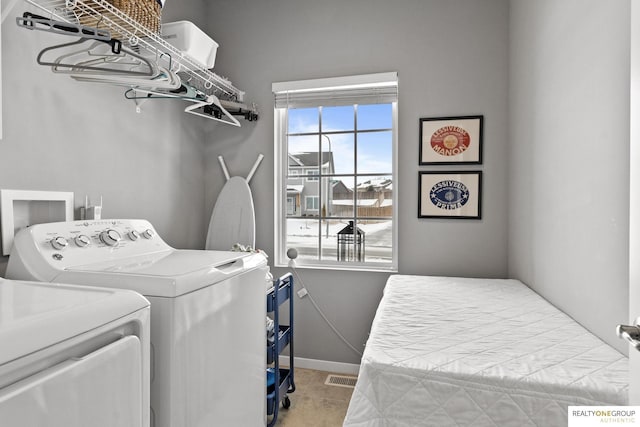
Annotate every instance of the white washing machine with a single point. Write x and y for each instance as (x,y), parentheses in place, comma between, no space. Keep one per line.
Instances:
(208,312)
(72,356)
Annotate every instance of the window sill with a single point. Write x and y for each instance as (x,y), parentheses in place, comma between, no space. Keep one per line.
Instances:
(337,267)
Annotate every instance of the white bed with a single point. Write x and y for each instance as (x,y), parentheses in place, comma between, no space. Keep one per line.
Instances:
(478,352)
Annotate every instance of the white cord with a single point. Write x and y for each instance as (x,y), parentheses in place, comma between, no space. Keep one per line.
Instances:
(333,328)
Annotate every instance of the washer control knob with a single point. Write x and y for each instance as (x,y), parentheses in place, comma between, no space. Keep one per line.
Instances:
(82,240)
(148,233)
(59,243)
(133,235)
(110,237)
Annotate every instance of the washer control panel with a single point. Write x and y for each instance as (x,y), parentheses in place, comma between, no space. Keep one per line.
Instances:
(83,242)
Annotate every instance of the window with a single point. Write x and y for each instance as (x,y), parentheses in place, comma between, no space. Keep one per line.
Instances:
(340,134)
(311,203)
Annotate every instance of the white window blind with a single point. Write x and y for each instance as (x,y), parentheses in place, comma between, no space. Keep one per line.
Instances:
(377,88)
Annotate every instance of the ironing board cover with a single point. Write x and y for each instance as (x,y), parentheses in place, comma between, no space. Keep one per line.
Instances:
(233,219)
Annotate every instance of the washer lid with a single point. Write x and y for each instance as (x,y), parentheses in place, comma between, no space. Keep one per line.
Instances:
(171,263)
(34,316)
(165,274)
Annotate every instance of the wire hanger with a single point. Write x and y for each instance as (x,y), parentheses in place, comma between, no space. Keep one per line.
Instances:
(116,48)
(165,79)
(116,59)
(211,113)
(212,109)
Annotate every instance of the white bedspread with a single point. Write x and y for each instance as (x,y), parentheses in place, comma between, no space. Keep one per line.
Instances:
(478,352)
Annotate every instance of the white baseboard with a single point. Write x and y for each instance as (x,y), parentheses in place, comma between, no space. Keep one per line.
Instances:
(322,365)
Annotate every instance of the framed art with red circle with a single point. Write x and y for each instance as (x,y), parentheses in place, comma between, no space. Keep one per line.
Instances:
(451,140)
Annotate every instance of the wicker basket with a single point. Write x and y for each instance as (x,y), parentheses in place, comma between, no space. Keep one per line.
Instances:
(146,13)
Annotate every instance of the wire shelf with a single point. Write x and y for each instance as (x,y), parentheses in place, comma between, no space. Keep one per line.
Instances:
(103,15)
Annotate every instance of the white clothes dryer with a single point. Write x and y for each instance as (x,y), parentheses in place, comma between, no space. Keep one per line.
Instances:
(208,312)
(73,356)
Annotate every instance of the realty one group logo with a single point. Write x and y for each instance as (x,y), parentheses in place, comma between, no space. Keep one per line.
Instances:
(449,195)
(596,416)
(450,140)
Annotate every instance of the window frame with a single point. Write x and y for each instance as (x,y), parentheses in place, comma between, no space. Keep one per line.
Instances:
(281,173)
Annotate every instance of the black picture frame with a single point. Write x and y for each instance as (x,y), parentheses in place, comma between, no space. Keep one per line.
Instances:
(450,194)
(451,140)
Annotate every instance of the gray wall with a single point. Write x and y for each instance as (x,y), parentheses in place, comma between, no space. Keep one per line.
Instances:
(62,135)
(568,156)
(451,57)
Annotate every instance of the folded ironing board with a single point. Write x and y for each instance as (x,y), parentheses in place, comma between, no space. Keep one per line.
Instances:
(233,220)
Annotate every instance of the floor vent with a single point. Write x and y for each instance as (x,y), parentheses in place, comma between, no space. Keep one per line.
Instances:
(341,381)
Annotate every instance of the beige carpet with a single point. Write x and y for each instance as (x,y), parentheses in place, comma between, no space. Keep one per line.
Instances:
(314,404)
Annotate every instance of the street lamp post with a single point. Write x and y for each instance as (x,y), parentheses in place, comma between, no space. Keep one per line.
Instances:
(327,190)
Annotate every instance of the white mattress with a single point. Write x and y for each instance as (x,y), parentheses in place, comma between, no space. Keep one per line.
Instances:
(478,352)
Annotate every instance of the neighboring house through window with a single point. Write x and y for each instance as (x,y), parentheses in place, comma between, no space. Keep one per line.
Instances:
(336,144)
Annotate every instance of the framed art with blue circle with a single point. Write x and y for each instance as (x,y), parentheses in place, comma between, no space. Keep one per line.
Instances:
(450,194)
(451,140)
